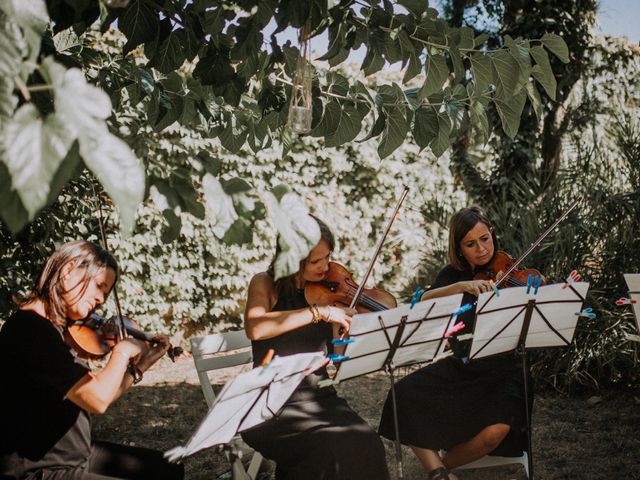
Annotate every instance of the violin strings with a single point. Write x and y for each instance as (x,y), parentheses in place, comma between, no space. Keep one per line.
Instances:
(368,302)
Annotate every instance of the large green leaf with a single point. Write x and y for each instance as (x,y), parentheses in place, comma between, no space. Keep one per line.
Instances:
(482,72)
(506,72)
(8,101)
(479,120)
(139,23)
(13,48)
(520,51)
(510,111)
(298,233)
(11,209)
(171,53)
(458,68)
(233,136)
(425,126)
(220,210)
(78,102)
(542,71)
(556,45)
(534,98)
(441,142)
(395,131)
(330,120)
(33,18)
(348,127)
(437,74)
(118,170)
(34,149)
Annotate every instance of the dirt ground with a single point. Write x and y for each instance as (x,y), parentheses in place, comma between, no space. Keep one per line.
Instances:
(573,438)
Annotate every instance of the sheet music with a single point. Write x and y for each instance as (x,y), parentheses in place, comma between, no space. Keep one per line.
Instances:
(499,319)
(249,399)
(421,339)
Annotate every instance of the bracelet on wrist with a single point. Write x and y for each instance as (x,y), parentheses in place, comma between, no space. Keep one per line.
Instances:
(315,314)
(135,373)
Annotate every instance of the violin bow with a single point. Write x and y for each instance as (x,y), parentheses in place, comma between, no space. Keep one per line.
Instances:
(354,301)
(539,240)
(121,329)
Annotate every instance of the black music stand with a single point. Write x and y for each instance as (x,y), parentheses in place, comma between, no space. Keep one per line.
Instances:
(522,318)
(397,337)
(249,399)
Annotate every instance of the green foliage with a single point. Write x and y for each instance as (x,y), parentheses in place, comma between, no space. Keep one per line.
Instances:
(600,239)
(205,65)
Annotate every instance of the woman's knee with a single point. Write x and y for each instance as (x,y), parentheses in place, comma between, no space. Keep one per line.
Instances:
(493,435)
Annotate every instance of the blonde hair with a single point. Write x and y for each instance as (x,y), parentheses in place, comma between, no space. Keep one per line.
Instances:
(50,289)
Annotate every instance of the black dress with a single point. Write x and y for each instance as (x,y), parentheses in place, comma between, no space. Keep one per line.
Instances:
(316,435)
(448,402)
(43,435)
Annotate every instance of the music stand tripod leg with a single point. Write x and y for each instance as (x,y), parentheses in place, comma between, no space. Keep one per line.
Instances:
(398,446)
(521,351)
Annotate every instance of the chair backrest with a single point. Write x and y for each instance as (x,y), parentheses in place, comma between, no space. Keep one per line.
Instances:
(211,353)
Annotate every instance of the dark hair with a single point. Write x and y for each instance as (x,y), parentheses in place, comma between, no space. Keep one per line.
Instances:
(49,287)
(286,286)
(461,223)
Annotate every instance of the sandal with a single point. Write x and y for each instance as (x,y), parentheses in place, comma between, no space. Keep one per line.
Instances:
(440,473)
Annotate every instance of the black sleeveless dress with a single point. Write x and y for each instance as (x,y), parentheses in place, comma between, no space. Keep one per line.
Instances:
(316,435)
(448,402)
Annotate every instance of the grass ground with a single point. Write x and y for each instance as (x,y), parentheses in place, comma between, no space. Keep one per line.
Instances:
(573,438)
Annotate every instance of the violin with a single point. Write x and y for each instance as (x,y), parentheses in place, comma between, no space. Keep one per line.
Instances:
(95,336)
(339,287)
(501,270)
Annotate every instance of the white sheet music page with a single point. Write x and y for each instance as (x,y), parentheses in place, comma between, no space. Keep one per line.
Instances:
(633,281)
(249,399)
(373,335)
(500,318)
(422,341)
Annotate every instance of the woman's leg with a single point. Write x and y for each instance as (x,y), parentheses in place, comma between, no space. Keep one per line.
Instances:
(132,463)
(483,443)
(430,460)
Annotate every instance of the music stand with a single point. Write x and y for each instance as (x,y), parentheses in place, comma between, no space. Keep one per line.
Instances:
(523,318)
(633,281)
(397,337)
(249,399)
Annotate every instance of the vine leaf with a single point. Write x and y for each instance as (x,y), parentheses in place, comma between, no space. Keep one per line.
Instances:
(298,232)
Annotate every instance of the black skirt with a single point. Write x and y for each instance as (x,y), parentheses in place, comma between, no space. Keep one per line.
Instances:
(447,403)
(317,436)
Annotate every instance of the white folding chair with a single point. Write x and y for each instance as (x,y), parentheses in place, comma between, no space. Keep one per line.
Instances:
(214,352)
(495,461)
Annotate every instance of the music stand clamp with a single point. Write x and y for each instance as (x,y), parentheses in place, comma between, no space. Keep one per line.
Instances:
(394,338)
(520,319)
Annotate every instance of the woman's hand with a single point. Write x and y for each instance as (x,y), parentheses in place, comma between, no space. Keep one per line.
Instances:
(130,347)
(338,315)
(156,352)
(474,287)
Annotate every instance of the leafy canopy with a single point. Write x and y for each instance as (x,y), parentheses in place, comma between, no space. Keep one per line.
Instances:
(67,101)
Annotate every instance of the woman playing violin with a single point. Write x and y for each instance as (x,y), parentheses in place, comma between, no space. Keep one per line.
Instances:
(49,392)
(468,408)
(316,435)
